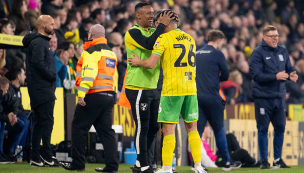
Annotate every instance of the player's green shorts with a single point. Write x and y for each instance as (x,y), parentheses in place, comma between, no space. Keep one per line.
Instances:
(171,107)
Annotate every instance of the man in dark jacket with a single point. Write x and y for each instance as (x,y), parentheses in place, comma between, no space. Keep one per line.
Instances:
(270,67)
(211,69)
(17,133)
(41,81)
(9,118)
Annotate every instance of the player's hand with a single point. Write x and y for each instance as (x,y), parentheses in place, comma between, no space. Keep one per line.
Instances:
(81,101)
(134,61)
(282,75)
(166,17)
(294,76)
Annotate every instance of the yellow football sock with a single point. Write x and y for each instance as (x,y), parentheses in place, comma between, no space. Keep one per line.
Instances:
(168,149)
(195,145)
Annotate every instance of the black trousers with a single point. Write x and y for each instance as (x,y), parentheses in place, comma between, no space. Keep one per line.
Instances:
(44,121)
(144,105)
(97,112)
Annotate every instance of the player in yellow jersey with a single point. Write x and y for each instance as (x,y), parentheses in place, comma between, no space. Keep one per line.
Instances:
(176,51)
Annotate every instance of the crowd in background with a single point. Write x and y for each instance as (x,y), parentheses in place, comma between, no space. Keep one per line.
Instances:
(240,20)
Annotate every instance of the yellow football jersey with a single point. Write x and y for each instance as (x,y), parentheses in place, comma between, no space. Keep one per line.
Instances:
(177,50)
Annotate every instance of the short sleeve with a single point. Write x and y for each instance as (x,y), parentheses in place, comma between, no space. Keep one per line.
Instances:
(159,46)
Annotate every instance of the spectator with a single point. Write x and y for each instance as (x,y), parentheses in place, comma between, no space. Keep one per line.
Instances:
(20,16)
(68,4)
(288,12)
(34,13)
(6,27)
(123,26)
(232,88)
(71,30)
(270,12)
(61,12)
(58,30)
(78,51)
(50,7)
(61,60)
(69,82)
(9,118)
(99,16)
(84,11)
(3,70)
(243,67)
(84,28)
(17,134)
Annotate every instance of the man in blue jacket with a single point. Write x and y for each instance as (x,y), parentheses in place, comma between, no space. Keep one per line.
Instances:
(270,68)
(211,69)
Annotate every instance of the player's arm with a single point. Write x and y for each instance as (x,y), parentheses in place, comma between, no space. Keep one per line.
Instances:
(143,41)
(148,63)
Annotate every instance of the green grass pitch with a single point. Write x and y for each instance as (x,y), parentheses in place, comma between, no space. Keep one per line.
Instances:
(26,168)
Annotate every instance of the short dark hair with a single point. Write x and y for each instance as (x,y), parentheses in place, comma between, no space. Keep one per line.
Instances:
(54,15)
(64,45)
(214,35)
(71,18)
(3,24)
(159,12)
(96,12)
(13,73)
(3,81)
(140,5)
(268,28)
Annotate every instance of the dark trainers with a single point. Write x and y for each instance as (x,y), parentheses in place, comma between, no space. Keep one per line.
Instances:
(36,163)
(135,169)
(4,161)
(279,164)
(231,165)
(9,158)
(265,165)
(52,162)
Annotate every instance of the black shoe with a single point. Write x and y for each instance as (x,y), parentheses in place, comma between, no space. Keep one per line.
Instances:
(231,165)
(104,170)
(53,162)
(4,161)
(265,165)
(279,164)
(69,167)
(135,169)
(9,158)
(149,170)
(37,163)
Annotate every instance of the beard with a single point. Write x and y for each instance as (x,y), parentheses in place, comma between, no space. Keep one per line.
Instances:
(49,32)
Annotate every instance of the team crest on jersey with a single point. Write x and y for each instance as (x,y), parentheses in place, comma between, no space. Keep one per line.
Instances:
(156,44)
(281,57)
(144,106)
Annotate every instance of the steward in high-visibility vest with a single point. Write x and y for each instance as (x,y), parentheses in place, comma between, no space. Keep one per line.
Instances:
(96,67)
(95,77)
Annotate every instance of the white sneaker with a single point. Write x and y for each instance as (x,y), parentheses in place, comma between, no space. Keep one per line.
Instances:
(199,169)
(163,171)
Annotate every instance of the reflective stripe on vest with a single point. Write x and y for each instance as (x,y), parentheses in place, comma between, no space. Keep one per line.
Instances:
(102,76)
(93,87)
(78,74)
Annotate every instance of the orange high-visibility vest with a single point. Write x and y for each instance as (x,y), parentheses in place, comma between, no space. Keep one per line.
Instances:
(123,100)
(222,95)
(106,67)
